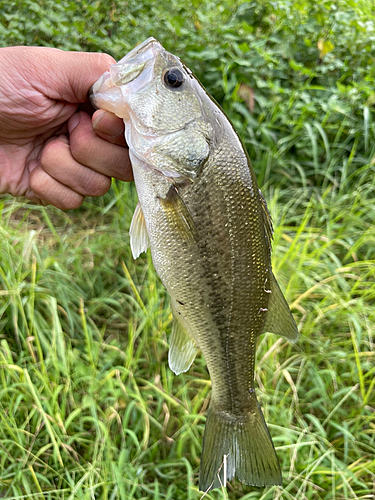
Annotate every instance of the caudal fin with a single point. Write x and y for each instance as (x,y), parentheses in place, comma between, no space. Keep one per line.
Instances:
(237,447)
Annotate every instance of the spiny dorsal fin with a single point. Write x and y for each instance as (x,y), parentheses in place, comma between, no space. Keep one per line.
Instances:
(182,348)
(279,319)
(139,241)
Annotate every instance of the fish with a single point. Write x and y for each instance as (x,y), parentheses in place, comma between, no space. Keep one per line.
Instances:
(209,229)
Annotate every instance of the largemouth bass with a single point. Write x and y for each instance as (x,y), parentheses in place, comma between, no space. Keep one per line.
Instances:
(207,224)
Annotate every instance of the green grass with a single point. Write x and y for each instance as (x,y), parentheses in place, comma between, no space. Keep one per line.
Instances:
(88,406)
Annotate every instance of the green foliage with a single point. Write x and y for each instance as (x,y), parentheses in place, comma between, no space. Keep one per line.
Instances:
(88,407)
(309,66)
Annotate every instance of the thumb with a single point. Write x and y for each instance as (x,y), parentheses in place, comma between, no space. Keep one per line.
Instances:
(67,76)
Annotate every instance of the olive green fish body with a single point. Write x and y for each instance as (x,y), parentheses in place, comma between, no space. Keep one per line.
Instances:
(207,224)
(214,277)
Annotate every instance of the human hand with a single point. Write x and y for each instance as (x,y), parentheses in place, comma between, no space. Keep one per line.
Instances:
(49,151)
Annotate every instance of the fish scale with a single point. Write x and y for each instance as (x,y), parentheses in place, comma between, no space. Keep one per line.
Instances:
(237,335)
(207,224)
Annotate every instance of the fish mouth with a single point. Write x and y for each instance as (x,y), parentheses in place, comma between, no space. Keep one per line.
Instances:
(131,66)
(114,84)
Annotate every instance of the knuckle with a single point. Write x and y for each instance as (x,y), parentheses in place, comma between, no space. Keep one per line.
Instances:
(49,191)
(80,147)
(53,154)
(37,180)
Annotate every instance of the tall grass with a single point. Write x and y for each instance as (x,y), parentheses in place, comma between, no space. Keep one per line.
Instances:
(88,406)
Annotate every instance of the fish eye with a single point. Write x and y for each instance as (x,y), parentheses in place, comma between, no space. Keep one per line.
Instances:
(174,78)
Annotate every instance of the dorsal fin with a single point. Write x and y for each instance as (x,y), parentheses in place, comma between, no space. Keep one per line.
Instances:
(279,319)
(267,219)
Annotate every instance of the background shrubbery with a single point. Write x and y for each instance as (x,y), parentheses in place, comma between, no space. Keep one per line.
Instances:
(88,407)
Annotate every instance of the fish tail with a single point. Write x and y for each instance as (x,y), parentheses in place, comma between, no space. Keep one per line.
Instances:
(240,447)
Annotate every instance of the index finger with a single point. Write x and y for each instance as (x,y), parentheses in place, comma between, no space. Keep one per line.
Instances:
(109,127)
(96,153)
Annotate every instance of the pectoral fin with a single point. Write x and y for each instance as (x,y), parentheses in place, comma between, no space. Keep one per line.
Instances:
(182,348)
(279,319)
(178,214)
(139,241)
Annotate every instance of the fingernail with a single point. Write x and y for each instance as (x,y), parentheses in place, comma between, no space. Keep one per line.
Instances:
(73,122)
(107,124)
(98,116)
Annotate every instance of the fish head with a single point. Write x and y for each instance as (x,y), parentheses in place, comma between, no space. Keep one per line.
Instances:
(124,78)
(159,98)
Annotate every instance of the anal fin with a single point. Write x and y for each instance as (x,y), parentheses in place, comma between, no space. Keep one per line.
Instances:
(182,348)
(279,319)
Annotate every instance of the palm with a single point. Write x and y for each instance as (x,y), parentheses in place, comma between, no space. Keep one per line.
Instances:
(30,114)
(22,142)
